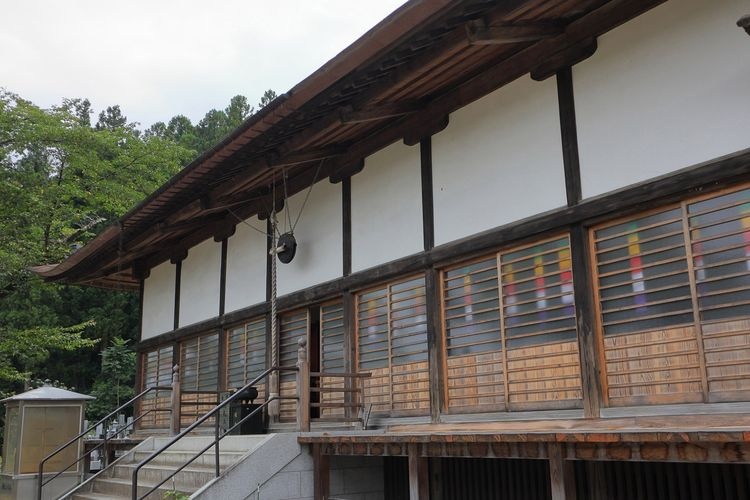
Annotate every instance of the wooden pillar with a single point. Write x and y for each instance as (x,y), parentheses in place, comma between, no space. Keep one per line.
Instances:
(176,400)
(350,363)
(303,387)
(561,474)
(434,327)
(585,317)
(321,474)
(419,479)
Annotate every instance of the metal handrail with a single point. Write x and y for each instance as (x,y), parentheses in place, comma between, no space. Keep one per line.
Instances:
(217,437)
(40,473)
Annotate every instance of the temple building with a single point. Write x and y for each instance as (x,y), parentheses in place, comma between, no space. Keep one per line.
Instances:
(517,245)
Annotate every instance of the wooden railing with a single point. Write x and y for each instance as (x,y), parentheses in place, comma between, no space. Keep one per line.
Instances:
(351,403)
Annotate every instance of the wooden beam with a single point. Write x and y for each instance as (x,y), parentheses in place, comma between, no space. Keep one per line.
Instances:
(428,218)
(321,474)
(419,479)
(561,474)
(434,346)
(177,279)
(346,223)
(280,158)
(588,345)
(378,111)
(478,33)
(564,59)
(569,135)
(223,277)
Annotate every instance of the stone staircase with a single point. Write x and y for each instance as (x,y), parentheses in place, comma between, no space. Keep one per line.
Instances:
(115,482)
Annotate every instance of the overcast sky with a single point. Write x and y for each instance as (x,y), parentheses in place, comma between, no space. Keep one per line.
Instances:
(160,58)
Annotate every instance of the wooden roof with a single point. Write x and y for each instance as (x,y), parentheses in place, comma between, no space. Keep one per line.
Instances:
(399,81)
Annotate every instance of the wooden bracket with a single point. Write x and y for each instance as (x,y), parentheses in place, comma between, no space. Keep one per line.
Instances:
(224,229)
(744,23)
(140,270)
(564,59)
(179,255)
(347,171)
(428,128)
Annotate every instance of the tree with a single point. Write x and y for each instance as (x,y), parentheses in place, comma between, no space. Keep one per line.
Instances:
(61,182)
(268,96)
(115,385)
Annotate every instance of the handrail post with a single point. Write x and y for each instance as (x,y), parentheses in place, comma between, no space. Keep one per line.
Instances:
(303,387)
(216,444)
(273,392)
(175,401)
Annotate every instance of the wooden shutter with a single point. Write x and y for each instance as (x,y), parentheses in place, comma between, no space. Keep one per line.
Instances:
(471,309)
(292,327)
(332,355)
(157,372)
(539,326)
(719,229)
(246,355)
(510,330)
(199,375)
(392,345)
(646,311)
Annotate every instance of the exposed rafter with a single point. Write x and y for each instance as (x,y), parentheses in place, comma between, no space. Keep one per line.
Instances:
(478,33)
(379,111)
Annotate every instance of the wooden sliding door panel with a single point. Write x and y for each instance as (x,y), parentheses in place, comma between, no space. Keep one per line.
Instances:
(332,356)
(157,372)
(293,326)
(246,355)
(539,326)
(199,376)
(510,331)
(392,346)
(650,343)
(719,229)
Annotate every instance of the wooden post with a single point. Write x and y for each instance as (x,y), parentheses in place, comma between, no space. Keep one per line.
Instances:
(585,317)
(321,474)
(303,387)
(176,400)
(419,484)
(561,474)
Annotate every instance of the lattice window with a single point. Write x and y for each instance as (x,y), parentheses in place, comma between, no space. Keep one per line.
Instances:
(293,326)
(510,330)
(157,372)
(199,368)
(674,299)
(332,356)
(392,344)
(246,353)
(157,367)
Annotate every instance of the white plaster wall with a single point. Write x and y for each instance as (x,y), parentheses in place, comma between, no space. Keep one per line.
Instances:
(200,283)
(319,238)
(664,91)
(387,207)
(499,160)
(158,301)
(246,266)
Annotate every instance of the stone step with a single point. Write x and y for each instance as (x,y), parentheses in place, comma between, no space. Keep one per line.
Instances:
(121,488)
(98,496)
(229,443)
(193,476)
(177,458)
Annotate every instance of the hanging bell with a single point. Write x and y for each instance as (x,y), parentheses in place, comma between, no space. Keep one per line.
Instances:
(287,248)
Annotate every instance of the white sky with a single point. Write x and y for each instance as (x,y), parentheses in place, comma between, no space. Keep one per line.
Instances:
(160,58)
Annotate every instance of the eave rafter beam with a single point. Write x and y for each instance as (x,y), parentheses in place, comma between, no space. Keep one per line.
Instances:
(479,33)
(380,111)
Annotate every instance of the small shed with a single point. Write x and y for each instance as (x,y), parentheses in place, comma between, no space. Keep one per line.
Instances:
(37,422)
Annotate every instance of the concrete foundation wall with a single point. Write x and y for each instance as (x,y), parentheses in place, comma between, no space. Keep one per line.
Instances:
(281,469)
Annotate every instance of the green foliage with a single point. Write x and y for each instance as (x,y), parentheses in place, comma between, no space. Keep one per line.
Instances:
(62,181)
(27,349)
(115,386)
(175,495)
